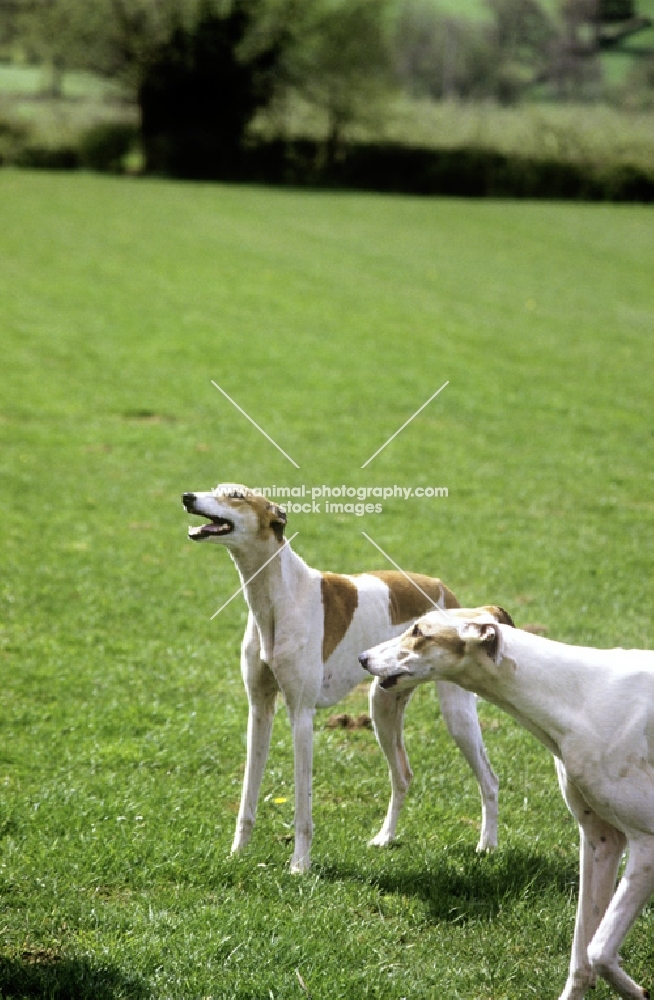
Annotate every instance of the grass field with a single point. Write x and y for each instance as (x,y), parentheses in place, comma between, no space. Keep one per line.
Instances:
(330,319)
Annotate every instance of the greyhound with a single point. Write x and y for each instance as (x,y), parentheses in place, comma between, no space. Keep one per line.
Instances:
(304,632)
(594,710)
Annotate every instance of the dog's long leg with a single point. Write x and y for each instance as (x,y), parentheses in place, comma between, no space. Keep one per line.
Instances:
(262,689)
(260,720)
(387,711)
(302,726)
(600,848)
(633,892)
(459,710)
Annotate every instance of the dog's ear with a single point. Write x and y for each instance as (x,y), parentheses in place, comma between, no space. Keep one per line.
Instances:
(499,614)
(485,636)
(277,520)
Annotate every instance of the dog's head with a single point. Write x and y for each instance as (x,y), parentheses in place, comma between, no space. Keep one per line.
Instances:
(434,648)
(235,515)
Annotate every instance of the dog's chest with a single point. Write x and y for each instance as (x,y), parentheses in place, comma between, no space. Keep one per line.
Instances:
(614,772)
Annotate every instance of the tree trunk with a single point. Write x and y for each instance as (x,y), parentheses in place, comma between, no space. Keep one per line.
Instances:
(55,80)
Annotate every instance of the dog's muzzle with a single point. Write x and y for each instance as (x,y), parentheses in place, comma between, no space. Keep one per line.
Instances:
(214,526)
(388,681)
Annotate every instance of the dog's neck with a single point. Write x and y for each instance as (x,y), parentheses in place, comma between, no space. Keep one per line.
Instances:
(537,681)
(269,575)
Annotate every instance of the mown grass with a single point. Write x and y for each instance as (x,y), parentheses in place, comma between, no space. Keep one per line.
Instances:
(330,319)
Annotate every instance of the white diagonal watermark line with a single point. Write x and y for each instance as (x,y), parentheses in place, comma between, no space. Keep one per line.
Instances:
(260,429)
(406,423)
(287,541)
(413,582)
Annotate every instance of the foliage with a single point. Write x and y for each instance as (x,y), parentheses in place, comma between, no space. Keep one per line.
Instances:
(345,57)
(105,146)
(518,46)
(59,34)
(113,37)
(522,37)
(427,50)
(338,60)
(12,137)
(638,88)
(197,95)
(446,56)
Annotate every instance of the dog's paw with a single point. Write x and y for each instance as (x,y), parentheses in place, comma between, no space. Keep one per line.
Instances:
(382,839)
(486,846)
(577,983)
(299,866)
(238,844)
(242,835)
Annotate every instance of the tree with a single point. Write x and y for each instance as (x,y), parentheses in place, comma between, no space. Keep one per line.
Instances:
(520,38)
(445,56)
(574,67)
(337,58)
(57,34)
(427,50)
(199,91)
(136,30)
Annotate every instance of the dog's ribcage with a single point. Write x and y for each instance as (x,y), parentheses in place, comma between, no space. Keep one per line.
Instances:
(370,624)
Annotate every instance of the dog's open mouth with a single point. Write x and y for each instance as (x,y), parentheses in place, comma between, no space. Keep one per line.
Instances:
(389,682)
(214,526)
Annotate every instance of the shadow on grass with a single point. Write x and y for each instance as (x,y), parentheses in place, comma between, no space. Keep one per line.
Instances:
(463,886)
(45,974)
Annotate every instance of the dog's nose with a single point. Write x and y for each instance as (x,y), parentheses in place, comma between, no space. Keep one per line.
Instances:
(363,660)
(188,499)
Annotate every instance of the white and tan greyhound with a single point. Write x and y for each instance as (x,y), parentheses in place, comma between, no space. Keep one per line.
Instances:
(594,709)
(304,633)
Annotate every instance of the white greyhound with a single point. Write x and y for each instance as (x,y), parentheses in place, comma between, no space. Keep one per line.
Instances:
(594,709)
(304,633)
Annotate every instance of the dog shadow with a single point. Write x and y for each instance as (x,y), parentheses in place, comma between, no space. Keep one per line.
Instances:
(41,974)
(461,885)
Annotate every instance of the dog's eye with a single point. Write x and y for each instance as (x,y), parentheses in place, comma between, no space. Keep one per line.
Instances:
(235,495)
(415,631)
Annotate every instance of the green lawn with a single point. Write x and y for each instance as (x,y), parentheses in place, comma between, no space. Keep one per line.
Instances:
(330,318)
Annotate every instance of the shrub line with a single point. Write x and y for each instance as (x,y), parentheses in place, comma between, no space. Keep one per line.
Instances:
(390,168)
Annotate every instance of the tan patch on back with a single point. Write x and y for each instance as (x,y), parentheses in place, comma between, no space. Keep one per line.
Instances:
(339,599)
(405,601)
